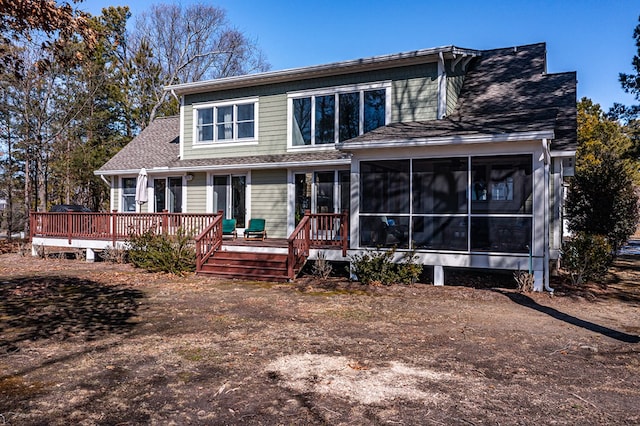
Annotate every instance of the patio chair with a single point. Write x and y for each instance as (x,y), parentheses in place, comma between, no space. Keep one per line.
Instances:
(256,230)
(229,228)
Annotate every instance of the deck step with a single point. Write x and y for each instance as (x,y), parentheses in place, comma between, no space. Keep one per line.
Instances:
(247,265)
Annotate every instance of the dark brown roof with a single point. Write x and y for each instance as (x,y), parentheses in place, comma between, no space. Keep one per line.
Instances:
(504,91)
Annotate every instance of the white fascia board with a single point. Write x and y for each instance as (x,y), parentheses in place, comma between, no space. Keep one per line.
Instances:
(314,71)
(264,166)
(226,167)
(563,154)
(116,172)
(447,140)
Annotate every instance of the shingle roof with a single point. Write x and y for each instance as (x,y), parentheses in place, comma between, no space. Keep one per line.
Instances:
(155,146)
(504,91)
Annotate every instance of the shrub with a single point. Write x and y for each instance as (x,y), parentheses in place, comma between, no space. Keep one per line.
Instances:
(602,200)
(322,267)
(524,281)
(378,267)
(114,255)
(586,257)
(174,254)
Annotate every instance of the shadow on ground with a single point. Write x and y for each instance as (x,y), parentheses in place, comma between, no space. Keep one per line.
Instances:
(33,308)
(528,302)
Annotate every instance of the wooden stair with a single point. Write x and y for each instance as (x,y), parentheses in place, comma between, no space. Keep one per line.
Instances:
(247,265)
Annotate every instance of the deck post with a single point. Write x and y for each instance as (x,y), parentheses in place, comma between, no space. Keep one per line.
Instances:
(344,232)
(69,226)
(114,226)
(165,220)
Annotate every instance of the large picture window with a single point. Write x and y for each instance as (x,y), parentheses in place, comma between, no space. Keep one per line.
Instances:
(226,122)
(477,204)
(340,114)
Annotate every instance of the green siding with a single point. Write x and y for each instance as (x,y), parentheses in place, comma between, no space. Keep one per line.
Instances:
(272,132)
(269,200)
(414,100)
(197,193)
(414,97)
(117,194)
(454,85)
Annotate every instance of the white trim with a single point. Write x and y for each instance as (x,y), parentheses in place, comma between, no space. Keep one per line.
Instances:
(182,134)
(347,88)
(446,140)
(209,145)
(247,197)
(336,68)
(563,154)
(254,166)
(386,85)
(112,193)
(183,207)
(235,141)
(209,192)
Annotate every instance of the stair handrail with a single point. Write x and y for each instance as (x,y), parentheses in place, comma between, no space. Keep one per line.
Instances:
(209,241)
(299,243)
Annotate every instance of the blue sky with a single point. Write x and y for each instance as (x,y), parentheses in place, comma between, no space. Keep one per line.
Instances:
(592,37)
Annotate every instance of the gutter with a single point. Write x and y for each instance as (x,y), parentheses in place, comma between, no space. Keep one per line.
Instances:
(325,70)
(446,140)
(226,167)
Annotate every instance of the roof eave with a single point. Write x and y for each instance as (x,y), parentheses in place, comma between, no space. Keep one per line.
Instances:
(447,140)
(316,71)
(225,167)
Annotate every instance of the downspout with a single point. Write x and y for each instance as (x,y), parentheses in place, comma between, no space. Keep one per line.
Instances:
(547,166)
(442,87)
(104,179)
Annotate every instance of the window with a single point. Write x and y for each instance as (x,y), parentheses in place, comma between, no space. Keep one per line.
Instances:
(344,113)
(477,204)
(226,122)
(168,194)
(128,195)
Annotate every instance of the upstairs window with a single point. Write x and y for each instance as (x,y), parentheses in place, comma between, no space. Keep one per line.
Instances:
(343,113)
(226,122)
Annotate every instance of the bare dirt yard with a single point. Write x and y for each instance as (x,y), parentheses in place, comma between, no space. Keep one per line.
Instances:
(106,344)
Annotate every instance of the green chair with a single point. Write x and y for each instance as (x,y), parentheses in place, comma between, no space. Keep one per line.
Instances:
(229,228)
(256,230)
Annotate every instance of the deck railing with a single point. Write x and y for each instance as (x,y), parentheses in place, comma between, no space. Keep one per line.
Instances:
(317,230)
(114,226)
(208,241)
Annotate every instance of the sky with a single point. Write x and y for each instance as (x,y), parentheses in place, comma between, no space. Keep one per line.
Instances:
(592,37)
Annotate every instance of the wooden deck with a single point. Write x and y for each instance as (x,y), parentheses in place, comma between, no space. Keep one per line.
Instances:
(98,231)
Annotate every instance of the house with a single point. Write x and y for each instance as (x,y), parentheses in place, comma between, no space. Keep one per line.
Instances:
(460,154)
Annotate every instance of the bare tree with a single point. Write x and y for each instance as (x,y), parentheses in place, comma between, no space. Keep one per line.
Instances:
(194,43)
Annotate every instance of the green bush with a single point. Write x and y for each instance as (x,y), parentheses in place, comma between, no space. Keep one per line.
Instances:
(586,257)
(174,254)
(378,267)
(602,201)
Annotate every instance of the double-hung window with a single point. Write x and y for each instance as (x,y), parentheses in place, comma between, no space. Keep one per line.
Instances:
(226,122)
(337,114)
